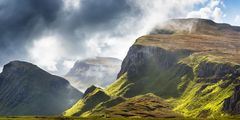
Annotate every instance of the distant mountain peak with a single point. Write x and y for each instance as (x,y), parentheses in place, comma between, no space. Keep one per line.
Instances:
(24,85)
(99,71)
(100,61)
(194,20)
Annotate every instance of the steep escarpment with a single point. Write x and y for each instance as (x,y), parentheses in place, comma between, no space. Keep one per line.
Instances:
(232,104)
(212,84)
(199,83)
(151,69)
(195,70)
(28,90)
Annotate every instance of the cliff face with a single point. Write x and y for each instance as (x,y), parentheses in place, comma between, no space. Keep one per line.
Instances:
(195,70)
(232,104)
(28,90)
(152,69)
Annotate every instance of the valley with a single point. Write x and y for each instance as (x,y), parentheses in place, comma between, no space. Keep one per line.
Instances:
(175,72)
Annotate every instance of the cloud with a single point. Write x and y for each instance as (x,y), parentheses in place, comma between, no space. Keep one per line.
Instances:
(211,11)
(1,68)
(236,20)
(45,52)
(68,63)
(71,4)
(51,32)
(20,22)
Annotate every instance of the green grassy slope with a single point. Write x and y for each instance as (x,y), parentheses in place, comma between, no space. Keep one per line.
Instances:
(92,97)
(195,72)
(200,96)
(25,89)
(143,106)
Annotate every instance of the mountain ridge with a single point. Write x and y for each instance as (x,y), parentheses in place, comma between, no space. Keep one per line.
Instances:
(197,26)
(99,71)
(196,71)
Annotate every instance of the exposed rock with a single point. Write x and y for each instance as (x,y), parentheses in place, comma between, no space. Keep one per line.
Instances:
(232,104)
(214,72)
(218,70)
(144,62)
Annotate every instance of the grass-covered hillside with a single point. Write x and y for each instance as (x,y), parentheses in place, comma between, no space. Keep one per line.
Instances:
(26,90)
(190,66)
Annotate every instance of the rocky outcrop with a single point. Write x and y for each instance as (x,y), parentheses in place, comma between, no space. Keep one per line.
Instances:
(206,70)
(28,90)
(213,72)
(232,104)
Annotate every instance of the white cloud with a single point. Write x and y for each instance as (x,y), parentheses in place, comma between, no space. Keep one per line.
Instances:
(105,43)
(217,14)
(212,11)
(157,11)
(71,4)
(237,19)
(68,63)
(106,46)
(154,12)
(46,52)
(214,3)
(1,69)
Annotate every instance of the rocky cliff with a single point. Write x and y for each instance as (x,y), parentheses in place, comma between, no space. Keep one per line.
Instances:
(28,90)
(192,63)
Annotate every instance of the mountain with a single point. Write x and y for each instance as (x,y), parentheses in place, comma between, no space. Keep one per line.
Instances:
(99,71)
(28,90)
(193,65)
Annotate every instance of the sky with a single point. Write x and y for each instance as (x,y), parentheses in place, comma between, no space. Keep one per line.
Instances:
(53,34)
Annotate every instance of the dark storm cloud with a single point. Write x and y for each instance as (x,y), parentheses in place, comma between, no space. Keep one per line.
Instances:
(20,21)
(93,17)
(96,16)
(96,27)
(93,12)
